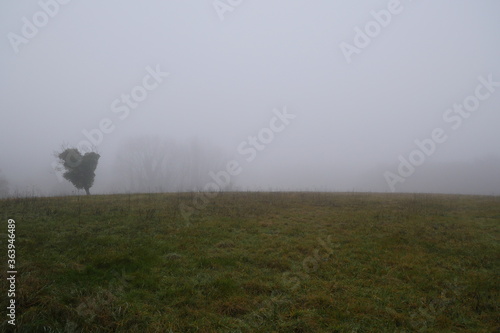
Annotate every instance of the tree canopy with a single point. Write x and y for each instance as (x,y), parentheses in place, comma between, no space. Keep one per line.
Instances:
(79,168)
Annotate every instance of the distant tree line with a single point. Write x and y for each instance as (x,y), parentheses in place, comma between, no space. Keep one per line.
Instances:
(154,164)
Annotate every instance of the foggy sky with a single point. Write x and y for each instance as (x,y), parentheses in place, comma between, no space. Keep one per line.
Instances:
(225,78)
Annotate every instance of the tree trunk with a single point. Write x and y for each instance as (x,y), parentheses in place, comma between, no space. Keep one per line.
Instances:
(87,191)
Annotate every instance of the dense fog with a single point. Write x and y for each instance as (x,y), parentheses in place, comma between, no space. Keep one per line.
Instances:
(375,96)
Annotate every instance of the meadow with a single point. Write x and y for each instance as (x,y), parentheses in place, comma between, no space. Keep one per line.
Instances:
(255,262)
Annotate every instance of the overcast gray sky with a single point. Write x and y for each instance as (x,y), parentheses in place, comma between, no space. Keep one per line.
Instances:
(231,63)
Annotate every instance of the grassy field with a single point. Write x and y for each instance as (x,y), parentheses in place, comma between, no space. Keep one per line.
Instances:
(255,262)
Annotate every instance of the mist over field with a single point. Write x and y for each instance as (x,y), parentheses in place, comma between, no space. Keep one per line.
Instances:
(250,166)
(375,96)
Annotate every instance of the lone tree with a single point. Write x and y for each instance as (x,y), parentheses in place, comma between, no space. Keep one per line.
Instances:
(4,186)
(79,168)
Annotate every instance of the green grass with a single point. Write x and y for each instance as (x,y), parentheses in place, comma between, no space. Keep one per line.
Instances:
(256,262)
